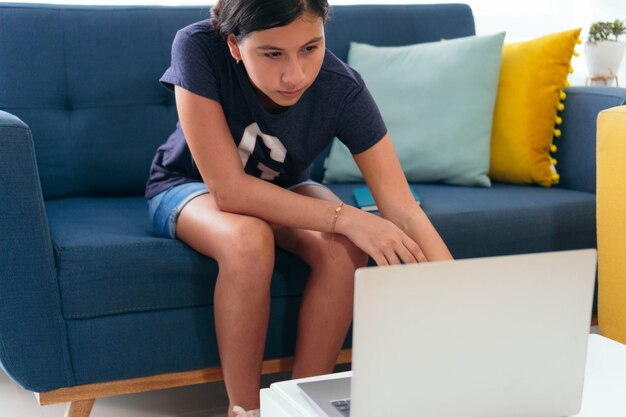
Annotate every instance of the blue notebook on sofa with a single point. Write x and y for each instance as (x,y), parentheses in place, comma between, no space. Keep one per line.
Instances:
(365,201)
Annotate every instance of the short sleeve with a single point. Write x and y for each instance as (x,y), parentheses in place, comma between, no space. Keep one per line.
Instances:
(360,124)
(192,66)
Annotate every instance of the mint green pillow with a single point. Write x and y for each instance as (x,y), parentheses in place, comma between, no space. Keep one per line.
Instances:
(437,100)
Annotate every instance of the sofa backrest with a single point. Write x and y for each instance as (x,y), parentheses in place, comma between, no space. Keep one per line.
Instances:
(85,80)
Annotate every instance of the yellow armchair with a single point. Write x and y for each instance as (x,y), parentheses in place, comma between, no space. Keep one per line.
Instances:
(611,222)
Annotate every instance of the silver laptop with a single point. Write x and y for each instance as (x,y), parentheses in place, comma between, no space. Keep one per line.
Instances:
(500,336)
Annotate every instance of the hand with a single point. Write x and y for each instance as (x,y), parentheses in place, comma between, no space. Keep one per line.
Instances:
(385,242)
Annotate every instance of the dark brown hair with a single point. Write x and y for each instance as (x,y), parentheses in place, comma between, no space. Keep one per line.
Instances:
(241,17)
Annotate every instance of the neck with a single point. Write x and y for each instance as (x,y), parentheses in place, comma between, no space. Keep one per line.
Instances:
(267,103)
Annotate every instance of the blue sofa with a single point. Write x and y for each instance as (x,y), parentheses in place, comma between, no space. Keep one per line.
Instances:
(89,293)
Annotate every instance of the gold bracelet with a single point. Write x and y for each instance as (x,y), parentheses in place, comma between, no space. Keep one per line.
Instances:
(332,230)
(336,216)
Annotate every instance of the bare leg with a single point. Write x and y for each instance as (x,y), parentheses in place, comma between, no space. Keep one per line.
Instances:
(241,320)
(326,313)
(326,308)
(244,249)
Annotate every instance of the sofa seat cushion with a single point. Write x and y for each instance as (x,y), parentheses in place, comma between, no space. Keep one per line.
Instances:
(110,261)
(505,219)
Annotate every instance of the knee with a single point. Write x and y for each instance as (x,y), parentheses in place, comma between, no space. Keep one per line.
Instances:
(351,252)
(249,250)
(338,253)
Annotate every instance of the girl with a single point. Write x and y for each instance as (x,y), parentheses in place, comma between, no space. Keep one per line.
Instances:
(258,98)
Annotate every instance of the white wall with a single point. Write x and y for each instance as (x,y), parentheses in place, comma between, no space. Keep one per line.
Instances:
(610,10)
(521,19)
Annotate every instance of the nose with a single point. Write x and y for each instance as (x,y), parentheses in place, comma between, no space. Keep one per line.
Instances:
(294,74)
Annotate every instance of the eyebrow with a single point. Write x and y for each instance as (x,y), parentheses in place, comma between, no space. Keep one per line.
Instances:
(276,48)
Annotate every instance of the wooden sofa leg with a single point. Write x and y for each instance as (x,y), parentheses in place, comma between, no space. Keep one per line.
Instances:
(79,408)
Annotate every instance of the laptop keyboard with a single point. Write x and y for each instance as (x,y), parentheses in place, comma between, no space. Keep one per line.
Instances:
(343,406)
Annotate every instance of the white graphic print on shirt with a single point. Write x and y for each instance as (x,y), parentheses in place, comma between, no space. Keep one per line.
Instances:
(278,152)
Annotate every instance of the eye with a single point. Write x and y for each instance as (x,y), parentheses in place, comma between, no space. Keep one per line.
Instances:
(273,55)
(310,48)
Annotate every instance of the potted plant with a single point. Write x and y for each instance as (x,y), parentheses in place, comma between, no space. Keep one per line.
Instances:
(604,50)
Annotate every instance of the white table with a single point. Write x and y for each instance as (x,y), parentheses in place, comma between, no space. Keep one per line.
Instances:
(604,393)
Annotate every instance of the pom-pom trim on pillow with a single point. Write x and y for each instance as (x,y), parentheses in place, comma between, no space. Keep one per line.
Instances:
(527,117)
(559,120)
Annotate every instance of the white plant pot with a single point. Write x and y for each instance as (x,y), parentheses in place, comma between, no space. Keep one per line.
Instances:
(604,57)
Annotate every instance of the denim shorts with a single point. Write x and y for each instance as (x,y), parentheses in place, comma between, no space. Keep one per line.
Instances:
(165,207)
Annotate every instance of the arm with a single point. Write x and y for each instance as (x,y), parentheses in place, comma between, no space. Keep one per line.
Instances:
(382,172)
(576,153)
(214,151)
(33,343)
(219,164)
(611,223)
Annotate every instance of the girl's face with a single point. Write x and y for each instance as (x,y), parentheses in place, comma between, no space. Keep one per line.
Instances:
(282,62)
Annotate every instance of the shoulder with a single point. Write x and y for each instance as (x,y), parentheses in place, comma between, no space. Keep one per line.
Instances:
(339,74)
(198,60)
(199,35)
(200,29)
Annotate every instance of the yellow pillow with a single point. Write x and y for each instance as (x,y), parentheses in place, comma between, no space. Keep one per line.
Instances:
(530,94)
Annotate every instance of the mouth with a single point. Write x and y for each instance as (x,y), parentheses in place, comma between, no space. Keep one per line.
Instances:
(291,93)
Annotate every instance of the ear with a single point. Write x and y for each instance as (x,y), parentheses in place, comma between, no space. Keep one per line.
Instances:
(233,47)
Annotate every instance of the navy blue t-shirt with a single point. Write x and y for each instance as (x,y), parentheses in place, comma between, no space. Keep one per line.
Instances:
(276,147)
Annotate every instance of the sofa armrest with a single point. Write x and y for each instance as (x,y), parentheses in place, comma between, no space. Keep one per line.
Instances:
(33,343)
(611,223)
(576,153)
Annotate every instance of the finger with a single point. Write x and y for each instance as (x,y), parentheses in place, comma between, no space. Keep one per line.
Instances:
(405,254)
(415,250)
(392,258)
(380,260)
(378,257)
